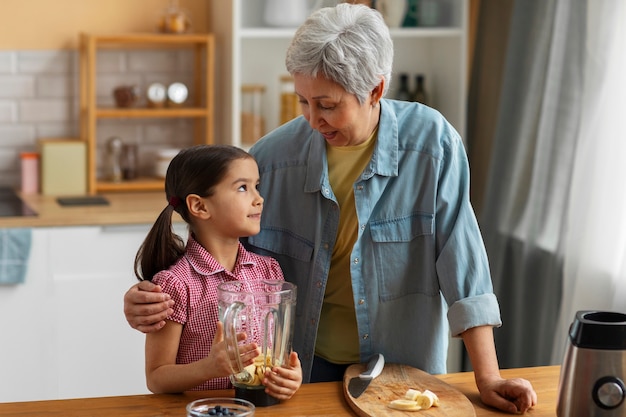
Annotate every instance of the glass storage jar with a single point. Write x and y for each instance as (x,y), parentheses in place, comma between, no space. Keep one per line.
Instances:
(252,120)
(289,104)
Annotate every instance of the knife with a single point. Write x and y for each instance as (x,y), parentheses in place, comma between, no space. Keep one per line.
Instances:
(358,384)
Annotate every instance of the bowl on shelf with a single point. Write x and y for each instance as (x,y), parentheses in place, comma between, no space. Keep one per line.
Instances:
(163,159)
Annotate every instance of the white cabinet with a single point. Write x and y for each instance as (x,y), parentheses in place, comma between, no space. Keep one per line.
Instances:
(64,334)
(252,52)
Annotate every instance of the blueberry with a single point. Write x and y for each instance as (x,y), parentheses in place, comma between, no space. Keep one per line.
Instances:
(218,410)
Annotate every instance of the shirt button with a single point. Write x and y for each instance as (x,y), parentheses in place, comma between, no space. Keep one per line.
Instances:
(366,336)
(356,261)
(319,284)
(326,246)
(326,191)
(362,227)
(359,187)
(361,301)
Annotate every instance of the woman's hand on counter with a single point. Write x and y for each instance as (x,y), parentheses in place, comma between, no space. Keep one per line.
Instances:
(514,395)
(146,307)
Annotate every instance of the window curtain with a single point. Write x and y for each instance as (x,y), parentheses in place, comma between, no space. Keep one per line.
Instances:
(554,211)
(594,252)
(528,186)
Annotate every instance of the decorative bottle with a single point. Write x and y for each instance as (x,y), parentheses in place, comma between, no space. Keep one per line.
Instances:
(419,94)
(403,92)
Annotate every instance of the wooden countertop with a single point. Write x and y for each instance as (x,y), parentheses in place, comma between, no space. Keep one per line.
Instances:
(123,208)
(320,399)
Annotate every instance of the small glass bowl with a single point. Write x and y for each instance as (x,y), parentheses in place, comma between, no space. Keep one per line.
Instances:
(205,406)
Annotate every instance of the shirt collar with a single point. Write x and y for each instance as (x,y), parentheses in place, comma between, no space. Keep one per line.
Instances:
(205,264)
(384,159)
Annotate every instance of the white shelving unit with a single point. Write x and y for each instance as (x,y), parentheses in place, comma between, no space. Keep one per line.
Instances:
(251,52)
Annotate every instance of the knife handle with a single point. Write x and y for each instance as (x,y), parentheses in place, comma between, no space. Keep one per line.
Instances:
(374,367)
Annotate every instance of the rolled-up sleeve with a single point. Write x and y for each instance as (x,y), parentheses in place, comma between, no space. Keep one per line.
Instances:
(480,310)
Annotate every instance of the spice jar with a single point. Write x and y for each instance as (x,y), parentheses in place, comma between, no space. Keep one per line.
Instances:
(129,162)
(114,156)
(252,121)
(30,172)
(289,104)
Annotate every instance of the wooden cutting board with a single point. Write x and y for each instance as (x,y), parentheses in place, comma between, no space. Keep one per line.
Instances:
(393,383)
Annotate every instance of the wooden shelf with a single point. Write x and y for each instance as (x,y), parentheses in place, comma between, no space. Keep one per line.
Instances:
(195,112)
(140,184)
(201,98)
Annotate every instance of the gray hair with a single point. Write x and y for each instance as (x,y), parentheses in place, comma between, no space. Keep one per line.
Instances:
(349,44)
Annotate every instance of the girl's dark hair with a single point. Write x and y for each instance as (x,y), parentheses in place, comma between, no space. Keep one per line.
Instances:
(195,170)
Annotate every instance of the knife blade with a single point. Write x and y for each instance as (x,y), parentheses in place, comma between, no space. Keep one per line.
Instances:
(359,384)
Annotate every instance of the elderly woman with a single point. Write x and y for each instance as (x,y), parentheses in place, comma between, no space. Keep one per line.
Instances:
(367,210)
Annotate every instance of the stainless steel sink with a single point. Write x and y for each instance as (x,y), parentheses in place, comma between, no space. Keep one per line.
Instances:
(11,205)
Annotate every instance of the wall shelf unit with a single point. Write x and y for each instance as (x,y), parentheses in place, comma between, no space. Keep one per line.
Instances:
(254,53)
(199,105)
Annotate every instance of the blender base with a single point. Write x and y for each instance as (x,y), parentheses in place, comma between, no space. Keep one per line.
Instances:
(256,396)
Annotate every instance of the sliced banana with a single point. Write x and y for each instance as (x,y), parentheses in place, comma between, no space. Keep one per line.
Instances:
(412,394)
(257,369)
(433,396)
(415,400)
(425,401)
(404,405)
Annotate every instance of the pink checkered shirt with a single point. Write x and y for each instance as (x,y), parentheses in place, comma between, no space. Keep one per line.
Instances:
(192,283)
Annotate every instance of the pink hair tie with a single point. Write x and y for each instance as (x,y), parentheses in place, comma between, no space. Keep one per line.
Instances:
(174,201)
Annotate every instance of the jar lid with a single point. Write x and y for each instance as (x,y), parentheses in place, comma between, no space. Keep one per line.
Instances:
(29,155)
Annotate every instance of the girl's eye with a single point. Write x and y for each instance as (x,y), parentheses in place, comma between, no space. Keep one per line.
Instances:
(243,188)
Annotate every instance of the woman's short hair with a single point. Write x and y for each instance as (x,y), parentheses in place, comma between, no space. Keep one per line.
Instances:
(349,44)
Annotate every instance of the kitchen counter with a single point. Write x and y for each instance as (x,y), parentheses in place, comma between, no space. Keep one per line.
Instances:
(320,399)
(123,208)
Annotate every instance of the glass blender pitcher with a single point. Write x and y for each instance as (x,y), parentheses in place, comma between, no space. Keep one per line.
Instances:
(265,311)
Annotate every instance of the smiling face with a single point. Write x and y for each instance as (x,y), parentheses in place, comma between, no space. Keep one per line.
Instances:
(235,206)
(335,113)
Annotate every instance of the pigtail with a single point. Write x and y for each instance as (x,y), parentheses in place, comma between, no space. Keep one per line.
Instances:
(161,248)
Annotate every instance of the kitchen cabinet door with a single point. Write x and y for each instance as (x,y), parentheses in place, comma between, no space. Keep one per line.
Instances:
(98,353)
(67,336)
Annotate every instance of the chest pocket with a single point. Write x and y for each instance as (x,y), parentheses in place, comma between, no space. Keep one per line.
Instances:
(278,243)
(403,252)
(403,229)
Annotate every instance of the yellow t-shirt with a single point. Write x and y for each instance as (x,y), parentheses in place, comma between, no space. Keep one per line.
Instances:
(337,335)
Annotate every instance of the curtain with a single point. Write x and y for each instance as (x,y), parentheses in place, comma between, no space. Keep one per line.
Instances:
(554,211)
(529,181)
(594,254)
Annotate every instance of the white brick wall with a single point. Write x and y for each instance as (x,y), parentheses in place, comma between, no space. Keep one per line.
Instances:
(39,99)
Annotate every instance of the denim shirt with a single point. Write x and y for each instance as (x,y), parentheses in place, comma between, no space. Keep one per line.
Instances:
(419,254)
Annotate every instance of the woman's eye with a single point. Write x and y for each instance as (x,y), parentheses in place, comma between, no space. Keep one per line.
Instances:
(326,107)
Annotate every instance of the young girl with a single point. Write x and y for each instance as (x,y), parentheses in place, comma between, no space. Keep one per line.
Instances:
(214,189)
